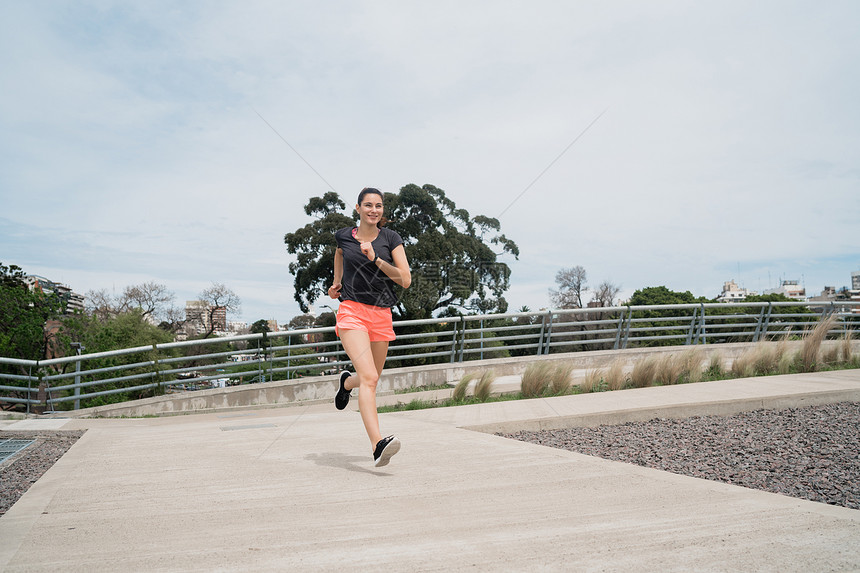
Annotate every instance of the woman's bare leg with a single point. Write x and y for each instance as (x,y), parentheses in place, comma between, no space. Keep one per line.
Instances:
(363,355)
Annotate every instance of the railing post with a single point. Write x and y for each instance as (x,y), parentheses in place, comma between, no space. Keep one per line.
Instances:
(462,340)
(454,341)
(261,358)
(271,364)
(78,348)
(482,339)
(157,373)
(265,342)
(29,387)
(618,329)
(627,328)
(693,323)
(540,335)
(548,334)
(290,353)
(766,320)
(758,325)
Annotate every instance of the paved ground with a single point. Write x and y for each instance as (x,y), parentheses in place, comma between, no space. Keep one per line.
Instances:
(293,489)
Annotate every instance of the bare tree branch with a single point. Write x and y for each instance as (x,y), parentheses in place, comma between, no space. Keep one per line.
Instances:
(571,286)
(150,297)
(219,297)
(605,293)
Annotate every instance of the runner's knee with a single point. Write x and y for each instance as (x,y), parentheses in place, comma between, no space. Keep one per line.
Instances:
(368,381)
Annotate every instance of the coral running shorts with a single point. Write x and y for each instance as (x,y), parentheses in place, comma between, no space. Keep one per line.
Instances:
(374,320)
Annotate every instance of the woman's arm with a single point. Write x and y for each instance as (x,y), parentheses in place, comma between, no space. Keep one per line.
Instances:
(334,289)
(398,272)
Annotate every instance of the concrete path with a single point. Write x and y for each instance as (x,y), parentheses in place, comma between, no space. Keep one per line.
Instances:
(293,489)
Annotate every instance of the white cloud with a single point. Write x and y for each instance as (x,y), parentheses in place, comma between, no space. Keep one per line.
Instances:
(130,146)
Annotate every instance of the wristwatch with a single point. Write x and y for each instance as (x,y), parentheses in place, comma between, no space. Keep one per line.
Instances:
(376,258)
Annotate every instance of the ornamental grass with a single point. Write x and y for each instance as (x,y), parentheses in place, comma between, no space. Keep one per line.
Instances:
(644,372)
(459,393)
(592,380)
(669,370)
(535,379)
(484,386)
(811,347)
(615,378)
(559,379)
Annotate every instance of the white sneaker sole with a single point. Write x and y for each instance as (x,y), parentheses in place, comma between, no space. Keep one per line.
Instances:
(392,448)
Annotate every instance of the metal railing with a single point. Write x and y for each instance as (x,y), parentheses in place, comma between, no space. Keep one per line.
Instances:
(129,373)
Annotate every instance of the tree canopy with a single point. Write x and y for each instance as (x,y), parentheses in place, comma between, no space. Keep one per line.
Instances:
(260,327)
(125,330)
(23,315)
(454,256)
(662,295)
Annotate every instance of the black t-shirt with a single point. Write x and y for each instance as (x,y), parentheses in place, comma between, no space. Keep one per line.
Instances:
(362,280)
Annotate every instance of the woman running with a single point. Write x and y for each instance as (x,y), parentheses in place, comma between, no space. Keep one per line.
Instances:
(368,262)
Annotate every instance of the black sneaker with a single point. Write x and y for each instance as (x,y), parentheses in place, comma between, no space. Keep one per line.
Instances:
(341,399)
(385,448)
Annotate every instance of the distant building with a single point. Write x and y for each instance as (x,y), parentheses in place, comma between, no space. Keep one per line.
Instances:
(273,325)
(196,317)
(733,293)
(72,301)
(828,294)
(219,319)
(791,289)
(201,317)
(854,293)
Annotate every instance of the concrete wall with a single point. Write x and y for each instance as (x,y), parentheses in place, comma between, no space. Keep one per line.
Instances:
(321,389)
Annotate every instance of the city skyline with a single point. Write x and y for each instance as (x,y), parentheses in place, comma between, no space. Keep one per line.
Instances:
(226,319)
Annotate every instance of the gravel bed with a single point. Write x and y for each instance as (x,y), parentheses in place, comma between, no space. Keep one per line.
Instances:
(22,470)
(809,453)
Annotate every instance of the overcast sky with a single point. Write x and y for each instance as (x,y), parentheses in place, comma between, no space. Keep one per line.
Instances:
(131,148)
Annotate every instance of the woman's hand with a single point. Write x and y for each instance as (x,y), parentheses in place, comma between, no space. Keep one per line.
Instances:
(334,290)
(367,248)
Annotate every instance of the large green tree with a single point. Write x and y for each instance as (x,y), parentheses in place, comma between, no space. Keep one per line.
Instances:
(454,256)
(662,295)
(125,330)
(23,316)
(656,296)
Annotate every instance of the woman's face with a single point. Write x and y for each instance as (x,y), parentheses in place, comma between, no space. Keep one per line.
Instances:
(370,209)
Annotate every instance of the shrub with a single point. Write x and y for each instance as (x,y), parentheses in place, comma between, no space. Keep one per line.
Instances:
(485,385)
(535,379)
